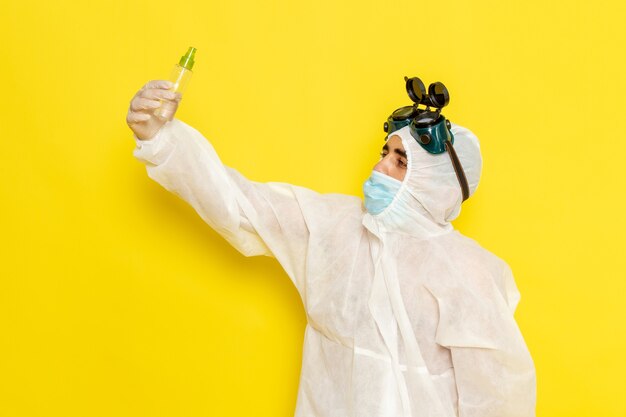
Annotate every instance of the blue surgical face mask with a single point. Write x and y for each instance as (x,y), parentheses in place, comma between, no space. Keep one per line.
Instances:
(379,190)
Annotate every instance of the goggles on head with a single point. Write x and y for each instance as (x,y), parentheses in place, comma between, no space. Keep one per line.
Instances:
(428,127)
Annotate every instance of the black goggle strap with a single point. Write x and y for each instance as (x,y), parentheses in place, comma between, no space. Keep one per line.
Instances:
(458,168)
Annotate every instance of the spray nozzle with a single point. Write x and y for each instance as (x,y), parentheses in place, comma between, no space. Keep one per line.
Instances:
(186,60)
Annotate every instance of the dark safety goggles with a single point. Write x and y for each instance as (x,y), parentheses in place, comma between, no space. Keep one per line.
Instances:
(428,127)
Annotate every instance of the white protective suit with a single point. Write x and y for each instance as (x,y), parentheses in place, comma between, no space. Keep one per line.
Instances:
(405,315)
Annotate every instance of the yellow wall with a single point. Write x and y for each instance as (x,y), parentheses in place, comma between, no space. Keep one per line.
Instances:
(117,300)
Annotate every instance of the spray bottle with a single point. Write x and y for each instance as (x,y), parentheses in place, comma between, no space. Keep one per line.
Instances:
(180,76)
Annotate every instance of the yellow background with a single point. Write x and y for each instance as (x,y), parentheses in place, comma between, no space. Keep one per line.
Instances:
(117,300)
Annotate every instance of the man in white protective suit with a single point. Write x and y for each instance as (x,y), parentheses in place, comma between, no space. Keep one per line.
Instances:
(405,315)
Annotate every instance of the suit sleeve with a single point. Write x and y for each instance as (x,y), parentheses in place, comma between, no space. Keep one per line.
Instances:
(494,371)
(255,218)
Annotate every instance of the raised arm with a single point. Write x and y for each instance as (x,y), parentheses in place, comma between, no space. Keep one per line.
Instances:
(256,218)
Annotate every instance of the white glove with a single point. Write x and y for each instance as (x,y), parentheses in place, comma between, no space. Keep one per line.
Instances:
(141,118)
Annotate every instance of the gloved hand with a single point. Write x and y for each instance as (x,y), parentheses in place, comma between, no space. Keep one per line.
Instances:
(141,118)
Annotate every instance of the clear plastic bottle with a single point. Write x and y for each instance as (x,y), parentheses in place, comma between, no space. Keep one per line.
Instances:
(180,76)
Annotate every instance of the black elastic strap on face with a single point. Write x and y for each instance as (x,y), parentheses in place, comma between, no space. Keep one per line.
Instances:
(458,168)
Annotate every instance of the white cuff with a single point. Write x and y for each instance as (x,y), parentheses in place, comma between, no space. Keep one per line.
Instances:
(156,149)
